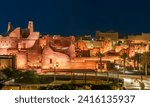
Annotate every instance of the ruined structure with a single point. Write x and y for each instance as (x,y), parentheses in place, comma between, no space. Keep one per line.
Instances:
(32,52)
(26,49)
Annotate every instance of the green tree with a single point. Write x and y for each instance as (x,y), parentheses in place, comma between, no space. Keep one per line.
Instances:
(145,60)
(124,57)
(29,77)
(136,59)
(11,73)
(100,55)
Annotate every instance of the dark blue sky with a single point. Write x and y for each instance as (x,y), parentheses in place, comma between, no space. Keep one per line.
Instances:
(77,17)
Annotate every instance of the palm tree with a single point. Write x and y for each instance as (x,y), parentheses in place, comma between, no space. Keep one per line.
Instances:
(137,60)
(100,55)
(145,60)
(124,56)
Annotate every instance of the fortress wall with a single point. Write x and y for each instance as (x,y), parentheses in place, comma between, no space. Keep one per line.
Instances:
(21,61)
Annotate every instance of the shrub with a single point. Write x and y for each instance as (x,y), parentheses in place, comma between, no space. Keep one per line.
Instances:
(11,73)
(28,77)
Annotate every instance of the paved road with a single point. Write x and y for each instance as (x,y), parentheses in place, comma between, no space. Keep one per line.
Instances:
(131,80)
(136,84)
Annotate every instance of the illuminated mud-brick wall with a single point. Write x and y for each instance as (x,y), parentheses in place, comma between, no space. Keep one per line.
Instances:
(3,51)
(42,42)
(71,51)
(7,42)
(119,48)
(51,58)
(94,51)
(131,51)
(83,65)
(106,46)
(34,60)
(81,45)
(21,60)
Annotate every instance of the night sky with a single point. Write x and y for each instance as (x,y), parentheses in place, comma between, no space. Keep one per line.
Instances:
(77,17)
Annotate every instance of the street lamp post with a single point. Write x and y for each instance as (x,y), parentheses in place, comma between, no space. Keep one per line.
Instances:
(118,67)
(54,72)
(55,65)
(118,79)
(96,70)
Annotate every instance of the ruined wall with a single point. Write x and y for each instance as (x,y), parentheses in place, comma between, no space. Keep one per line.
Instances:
(42,42)
(34,59)
(94,51)
(30,26)
(49,58)
(119,48)
(24,43)
(3,51)
(15,33)
(82,45)
(34,36)
(106,46)
(28,42)
(12,51)
(71,51)
(83,65)
(131,51)
(4,42)
(7,42)
(21,60)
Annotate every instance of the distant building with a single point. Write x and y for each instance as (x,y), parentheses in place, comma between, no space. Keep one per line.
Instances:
(143,36)
(106,35)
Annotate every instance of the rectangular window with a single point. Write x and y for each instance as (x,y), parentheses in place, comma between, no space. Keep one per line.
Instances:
(50,61)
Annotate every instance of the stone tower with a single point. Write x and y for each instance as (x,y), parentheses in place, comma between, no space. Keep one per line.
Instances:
(9,27)
(30,26)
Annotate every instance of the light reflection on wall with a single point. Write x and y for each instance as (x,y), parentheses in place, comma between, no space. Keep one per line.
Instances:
(21,60)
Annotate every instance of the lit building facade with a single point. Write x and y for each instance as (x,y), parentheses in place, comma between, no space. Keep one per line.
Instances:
(26,49)
(32,52)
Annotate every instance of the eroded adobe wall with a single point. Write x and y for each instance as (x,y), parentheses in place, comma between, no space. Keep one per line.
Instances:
(7,42)
(15,33)
(34,59)
(3,51)
(21,60)
(71,51)
(49,58)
